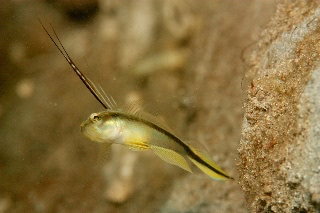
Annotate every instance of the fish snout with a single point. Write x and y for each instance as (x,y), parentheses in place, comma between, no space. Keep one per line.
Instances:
(83,125)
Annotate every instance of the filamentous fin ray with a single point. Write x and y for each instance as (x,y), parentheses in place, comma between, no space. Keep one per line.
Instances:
(113,101)
(83,78)
(109,100)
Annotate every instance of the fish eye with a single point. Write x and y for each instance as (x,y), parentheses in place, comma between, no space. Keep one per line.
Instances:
(94,117)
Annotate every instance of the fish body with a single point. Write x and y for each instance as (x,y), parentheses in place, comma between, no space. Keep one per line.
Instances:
(139,133)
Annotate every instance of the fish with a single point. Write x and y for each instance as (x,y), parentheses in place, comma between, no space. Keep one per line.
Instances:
(139,133)
(138,130)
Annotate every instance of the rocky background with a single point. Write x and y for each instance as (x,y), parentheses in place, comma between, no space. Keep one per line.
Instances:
(279,151)
(239,78)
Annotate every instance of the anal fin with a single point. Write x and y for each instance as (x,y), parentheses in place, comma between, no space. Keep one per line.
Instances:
(171,157)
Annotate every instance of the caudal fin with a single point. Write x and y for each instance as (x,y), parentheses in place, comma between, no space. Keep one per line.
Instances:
(208,166)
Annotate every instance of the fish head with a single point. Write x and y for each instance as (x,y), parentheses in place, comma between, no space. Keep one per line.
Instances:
(101,127)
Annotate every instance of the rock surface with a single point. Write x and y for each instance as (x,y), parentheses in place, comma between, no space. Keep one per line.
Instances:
(279,149)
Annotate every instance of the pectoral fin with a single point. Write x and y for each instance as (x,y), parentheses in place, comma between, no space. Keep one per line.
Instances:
(104,153)
(171,157)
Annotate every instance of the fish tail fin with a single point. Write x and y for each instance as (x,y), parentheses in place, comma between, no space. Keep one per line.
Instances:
(207,166)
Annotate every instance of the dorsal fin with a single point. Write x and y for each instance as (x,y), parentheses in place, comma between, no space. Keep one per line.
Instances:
(137,109)
(154,119)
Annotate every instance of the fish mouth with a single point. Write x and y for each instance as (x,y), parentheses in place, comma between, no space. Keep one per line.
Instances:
(86,130)
(83,125)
